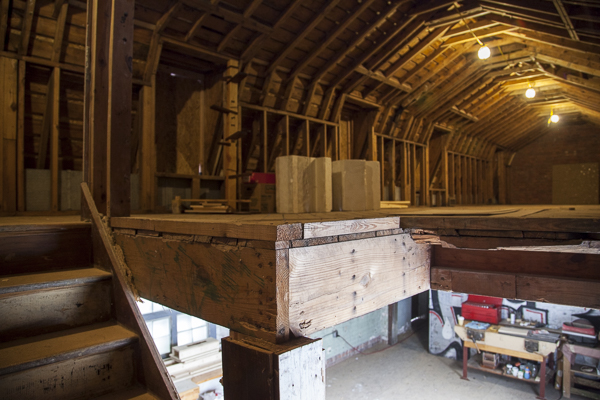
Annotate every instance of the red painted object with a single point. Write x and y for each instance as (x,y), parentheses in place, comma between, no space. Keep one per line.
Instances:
(482,308)
(260,177)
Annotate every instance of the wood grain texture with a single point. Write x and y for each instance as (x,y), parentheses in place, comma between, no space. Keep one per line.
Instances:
(573,292)
(88,376)
(333,228)
(30,251)
(227,285)
(488,284)
(333,283)
(571,265)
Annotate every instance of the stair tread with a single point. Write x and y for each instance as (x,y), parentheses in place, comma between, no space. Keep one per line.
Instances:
(31,352)
(136,393)
(43,280)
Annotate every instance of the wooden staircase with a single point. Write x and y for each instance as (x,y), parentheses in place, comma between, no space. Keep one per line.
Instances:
(69,325)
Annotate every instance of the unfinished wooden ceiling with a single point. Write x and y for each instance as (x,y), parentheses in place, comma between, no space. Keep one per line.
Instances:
(416,59)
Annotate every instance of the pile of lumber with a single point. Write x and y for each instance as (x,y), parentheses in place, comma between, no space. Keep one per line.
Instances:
(395,204)
(200,206)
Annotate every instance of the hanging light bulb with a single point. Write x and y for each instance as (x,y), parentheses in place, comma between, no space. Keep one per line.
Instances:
(484,53)
(554,118)
(530,93)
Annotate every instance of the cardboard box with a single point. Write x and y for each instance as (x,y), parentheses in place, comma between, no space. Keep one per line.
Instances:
(261,195)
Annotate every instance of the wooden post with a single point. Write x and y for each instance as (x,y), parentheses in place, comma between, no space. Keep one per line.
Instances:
(97,107)
(501,177)
(54,153)
(445,176)
(413,174)
(120,71)
(148,164)
(230,126)
(404,172)
(255,369)
(8,134)
(21,137)
(424,176)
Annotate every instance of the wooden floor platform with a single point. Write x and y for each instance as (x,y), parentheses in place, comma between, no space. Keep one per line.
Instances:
(274,275)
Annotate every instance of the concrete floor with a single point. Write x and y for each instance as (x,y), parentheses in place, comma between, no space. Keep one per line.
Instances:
(407,371)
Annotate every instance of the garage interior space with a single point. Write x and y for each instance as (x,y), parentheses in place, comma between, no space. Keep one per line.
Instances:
(299,199)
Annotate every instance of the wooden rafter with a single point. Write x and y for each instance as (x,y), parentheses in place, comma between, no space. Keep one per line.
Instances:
(416,50)
(155,43)
(60,31)
(565,18)
(57,8)
(231,34)
(312,24)
(258,41)
(4,7)
(329,38)
(26,28)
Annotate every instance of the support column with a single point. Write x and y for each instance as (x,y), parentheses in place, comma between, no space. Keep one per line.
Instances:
(501,177)
(393,324)
(120,74)
(255,369)
(54,139)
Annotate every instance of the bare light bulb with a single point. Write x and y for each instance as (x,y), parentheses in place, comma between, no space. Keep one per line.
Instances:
(484,52)
(554,118)
(530,93)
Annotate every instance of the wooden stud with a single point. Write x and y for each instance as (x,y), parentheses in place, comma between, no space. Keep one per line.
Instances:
(46,125)
(54,148)
(21,137)
(148,164)
(119,109)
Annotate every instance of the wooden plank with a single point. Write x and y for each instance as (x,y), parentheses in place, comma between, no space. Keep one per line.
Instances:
(227,285)
(8,134)
(60,30)
(119,109)
(334,228)
(21,137)
(484,283)
(556,264)
(573,292)
(54,139)
(353,278)
(46,124)
(4,6)
(148,156)
(26,29)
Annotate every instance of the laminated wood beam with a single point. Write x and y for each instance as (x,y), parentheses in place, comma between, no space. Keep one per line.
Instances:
(26,29)
(119,109)
(318,17)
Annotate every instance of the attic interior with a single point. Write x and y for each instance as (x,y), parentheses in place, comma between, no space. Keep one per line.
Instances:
(187,122)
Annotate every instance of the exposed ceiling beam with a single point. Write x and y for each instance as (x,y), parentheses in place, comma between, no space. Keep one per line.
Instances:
(26,28)
(565,18)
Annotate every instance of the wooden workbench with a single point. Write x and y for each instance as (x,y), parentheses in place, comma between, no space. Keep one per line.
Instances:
(495,342)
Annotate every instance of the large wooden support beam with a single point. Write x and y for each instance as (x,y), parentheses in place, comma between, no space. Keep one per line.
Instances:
(9,78)
(541,263)
(120,73)
(568,291)
(266,280)
(254,369)
(97,101)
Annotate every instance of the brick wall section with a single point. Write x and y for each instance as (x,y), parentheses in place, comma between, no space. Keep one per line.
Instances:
(531,170)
